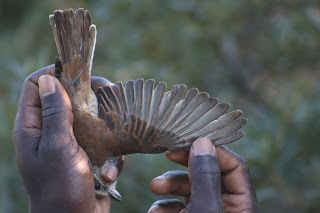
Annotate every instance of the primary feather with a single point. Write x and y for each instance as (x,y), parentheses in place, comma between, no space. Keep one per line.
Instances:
(160,120)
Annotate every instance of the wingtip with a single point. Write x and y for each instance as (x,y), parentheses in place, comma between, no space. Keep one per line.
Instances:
(244,120)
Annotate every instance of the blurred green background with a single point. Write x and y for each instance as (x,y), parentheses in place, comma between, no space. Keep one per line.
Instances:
(260,55)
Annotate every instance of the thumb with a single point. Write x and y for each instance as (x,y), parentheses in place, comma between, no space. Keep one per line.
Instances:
(205,178)
(57,117)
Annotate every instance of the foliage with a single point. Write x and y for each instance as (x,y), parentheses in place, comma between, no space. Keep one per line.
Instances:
(261,56)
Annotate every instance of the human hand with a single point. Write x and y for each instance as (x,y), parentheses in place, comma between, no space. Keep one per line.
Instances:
(207,188)
(56,172)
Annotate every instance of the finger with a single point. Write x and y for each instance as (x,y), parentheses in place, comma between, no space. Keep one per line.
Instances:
(97,82)
(236,180)
(235,172)
(205,178)
(29,104)
(28,121)
(181,158)
(166,206)
(172,182)
(103,205)
(111,173)
(57,117)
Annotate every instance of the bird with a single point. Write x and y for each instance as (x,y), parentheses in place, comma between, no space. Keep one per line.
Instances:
(138,116)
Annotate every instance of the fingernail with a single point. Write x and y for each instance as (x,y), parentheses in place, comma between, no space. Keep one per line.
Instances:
(202,146)
(46,85)
(153,209)
(111,174)
(161,177)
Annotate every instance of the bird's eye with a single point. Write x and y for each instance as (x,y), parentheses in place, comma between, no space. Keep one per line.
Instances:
(97,187)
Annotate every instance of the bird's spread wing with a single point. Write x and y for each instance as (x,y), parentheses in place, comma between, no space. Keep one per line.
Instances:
(157,120)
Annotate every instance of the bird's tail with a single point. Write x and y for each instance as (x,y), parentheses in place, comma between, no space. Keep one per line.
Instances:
(75,38)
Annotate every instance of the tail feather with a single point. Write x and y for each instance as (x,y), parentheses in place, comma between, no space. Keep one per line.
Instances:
(75,38)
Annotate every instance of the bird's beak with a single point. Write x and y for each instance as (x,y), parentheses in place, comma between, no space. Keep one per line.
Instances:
(114,194)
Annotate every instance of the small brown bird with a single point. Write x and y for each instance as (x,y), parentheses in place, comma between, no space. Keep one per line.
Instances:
(138,118)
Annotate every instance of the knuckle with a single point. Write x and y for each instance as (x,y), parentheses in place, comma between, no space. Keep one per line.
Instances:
(242,164)
(31,79)
(205,164)
(50,112)
(28,82)
(243,167)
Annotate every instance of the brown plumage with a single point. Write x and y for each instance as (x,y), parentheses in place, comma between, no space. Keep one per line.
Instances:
(141,118)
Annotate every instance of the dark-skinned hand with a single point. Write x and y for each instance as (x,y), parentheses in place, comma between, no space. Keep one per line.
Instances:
(56,172)
(218,181)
